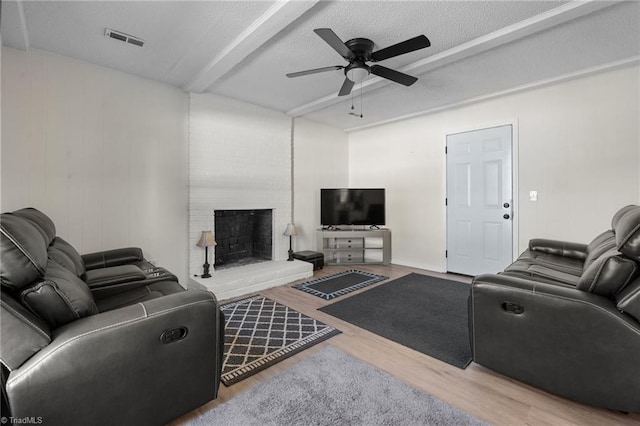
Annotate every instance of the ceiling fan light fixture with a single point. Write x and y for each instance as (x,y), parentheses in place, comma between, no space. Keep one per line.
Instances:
(357,72)
(359,51)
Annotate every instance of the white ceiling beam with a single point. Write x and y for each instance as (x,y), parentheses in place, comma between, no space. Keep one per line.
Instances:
(632,61)
(535,24)
(281,14)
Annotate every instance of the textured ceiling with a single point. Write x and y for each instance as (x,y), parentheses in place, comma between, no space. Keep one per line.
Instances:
(242,49)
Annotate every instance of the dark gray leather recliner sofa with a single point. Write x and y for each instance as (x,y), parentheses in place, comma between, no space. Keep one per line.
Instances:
(105,338)
(565,317)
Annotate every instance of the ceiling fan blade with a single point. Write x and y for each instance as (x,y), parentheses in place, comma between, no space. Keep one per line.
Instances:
(334,41)
(393,75)
(314,71)
(416,43)
(346,87)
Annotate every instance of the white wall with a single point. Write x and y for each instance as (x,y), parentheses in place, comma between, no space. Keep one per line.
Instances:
(578,147)
(321,159)
(103,153)
(239,158)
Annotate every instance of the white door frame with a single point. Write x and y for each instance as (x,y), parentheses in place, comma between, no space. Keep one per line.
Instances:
(515,161)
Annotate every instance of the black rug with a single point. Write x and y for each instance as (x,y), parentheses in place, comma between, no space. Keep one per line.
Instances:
(335,285)
(260,332)
(418,311)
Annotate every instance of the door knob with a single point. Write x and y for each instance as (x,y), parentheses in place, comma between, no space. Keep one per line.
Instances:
(506,216)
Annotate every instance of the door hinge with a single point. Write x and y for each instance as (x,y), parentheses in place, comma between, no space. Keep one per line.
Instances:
(445,150)
(446,253)
(446,201)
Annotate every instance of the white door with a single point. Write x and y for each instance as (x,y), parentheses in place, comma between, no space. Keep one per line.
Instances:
(479,201)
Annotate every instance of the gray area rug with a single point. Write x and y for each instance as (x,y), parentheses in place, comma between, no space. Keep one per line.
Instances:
(339,284)
(421,312)
(332,387)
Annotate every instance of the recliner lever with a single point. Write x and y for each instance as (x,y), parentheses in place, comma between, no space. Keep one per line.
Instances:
(174,335)
(512,308)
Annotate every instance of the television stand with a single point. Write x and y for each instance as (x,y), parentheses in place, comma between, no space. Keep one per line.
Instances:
(355,246)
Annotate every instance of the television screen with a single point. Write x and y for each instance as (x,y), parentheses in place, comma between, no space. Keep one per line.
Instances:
(347,206)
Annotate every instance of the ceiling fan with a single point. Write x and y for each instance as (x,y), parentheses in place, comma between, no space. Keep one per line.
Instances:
(358,52)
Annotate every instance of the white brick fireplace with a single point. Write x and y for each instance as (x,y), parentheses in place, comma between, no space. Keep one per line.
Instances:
(239,159)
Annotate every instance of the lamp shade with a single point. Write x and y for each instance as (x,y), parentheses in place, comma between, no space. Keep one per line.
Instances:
(291,230)
(206,239)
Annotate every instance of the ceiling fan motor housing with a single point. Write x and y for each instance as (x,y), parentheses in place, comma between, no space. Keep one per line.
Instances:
(361,48)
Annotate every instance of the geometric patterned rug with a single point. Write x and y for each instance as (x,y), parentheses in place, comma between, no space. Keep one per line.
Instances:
(260,332)
(335,285)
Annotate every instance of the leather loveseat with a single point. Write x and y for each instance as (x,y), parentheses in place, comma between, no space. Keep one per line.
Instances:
(565,317)
(104,338)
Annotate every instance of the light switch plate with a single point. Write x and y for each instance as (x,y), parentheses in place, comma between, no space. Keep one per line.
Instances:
(533,195)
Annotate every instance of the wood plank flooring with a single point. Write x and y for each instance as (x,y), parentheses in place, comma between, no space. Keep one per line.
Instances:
(487,395)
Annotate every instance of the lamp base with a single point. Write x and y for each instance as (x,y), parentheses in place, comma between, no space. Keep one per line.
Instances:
(290,259)
(205,271)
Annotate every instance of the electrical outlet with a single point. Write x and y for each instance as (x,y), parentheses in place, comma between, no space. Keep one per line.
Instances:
(533,195)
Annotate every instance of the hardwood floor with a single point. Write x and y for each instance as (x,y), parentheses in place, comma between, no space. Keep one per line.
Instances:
(487,395)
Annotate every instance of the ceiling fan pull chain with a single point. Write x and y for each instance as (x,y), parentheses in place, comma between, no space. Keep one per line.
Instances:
(360,99)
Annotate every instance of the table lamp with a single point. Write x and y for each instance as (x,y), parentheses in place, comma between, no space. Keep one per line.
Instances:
(290,232)
(206,241)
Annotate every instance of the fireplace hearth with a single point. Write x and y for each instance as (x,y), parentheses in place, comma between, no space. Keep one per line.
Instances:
(243,237)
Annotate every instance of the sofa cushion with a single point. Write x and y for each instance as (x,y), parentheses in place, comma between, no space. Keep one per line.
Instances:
(60,298)
(629,299)
(608,274)
(23,334)
(628,234)
(598,246)
(623,211)
(63,253)
(23,250)
(41,221)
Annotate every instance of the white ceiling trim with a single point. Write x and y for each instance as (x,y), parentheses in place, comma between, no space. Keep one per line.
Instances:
(541,22)
(274,20)
(23,25)
(632,61)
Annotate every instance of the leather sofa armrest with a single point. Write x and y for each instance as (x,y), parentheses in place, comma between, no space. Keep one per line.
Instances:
(629,299)
(146,363)
(116,257)
(152,276)
(101,277)
(552,274)
(559,248)
(566,341)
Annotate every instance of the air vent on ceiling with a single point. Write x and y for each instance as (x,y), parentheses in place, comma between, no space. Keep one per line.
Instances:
(117,35)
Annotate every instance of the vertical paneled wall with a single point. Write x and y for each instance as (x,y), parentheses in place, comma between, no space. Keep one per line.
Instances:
(103,153)
(321,158)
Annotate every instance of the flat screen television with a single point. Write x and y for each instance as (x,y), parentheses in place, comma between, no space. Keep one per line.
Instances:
(351,206)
